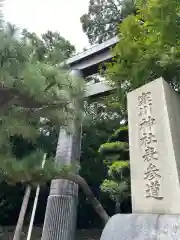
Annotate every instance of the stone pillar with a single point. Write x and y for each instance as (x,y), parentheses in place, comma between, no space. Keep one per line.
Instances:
(154,137)
(61,211)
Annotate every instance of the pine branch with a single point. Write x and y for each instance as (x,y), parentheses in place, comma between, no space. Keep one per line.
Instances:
(14,96)
(89,194)
(21,172)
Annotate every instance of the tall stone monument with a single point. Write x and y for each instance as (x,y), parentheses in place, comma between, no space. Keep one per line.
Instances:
(154,135)
(154,117)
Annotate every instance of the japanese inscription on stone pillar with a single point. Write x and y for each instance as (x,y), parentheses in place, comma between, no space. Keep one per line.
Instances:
(148,144)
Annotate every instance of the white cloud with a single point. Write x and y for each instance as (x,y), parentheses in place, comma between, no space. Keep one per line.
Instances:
(56,15)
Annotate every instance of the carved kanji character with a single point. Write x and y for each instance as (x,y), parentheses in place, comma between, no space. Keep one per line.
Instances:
(153,190)
(152,172)
(147,138)
(145,111)
(146,124)
(150,154)
(145,99)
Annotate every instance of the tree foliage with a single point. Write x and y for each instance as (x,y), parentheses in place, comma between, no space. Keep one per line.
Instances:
(116,156)
(149,47)
(50,48)
(34,92)
(101,121)
(103,18)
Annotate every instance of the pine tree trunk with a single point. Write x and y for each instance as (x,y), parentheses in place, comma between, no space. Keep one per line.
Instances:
(95,203)
(89,194)
(19,226)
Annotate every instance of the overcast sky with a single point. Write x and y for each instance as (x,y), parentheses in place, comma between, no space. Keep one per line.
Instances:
(56,15)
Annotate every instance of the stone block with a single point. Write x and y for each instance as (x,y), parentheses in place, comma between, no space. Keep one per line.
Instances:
(142,227)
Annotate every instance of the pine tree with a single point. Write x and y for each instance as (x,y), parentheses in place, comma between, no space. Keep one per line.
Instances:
(32,92)
(35,94)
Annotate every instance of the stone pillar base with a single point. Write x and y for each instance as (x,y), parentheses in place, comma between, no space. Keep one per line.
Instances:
(61,211)
(142,227)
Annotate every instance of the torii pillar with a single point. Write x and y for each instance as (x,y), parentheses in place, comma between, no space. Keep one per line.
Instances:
(61,211)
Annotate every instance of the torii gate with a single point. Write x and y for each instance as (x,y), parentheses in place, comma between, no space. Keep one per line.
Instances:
(60,217)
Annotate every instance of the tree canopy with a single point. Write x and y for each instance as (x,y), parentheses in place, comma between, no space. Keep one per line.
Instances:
(51,48)
(103,18)
(149,47)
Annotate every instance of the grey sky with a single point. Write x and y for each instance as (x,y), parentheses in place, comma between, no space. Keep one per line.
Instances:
(56,15)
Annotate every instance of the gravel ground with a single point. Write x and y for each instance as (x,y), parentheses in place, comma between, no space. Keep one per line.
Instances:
(6,233)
